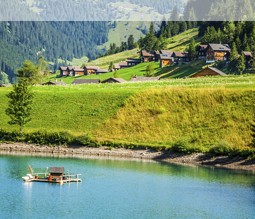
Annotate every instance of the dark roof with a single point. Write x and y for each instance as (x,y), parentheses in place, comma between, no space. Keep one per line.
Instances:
(54,83)
(86,81)
(166,56)
(140,79)
(123,64)
(133,60)
(220,47)
(78,69)
(102,71)
(57,170)
(117,80)
(181,54)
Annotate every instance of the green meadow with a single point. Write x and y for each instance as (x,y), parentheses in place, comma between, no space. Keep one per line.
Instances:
(198,113)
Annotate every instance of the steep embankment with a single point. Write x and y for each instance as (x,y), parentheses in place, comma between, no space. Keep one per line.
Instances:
(197,117)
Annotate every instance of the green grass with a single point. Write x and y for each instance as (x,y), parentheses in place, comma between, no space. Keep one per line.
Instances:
(181,41)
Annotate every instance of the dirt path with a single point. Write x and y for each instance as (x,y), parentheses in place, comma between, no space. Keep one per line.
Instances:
(120,153)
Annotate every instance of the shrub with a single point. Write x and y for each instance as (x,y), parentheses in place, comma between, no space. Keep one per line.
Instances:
(184,146)
(9,136)
(85,140)
(222,148)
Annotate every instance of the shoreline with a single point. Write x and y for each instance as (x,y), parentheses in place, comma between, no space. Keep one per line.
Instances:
(198,159)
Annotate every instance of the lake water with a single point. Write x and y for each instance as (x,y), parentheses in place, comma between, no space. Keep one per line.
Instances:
(125,189)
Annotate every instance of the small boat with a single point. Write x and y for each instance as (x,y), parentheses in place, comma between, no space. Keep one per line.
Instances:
(51,175)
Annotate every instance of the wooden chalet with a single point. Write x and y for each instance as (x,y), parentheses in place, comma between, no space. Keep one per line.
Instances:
(64,71)
(120,65)
(201,52)
(88,70)
(166,60)
(158,53)
(208,71)
(181,57)
(77,71)
(217,52)
(114,80)
(86,81)
(143,79)
(146,56)
(132,62)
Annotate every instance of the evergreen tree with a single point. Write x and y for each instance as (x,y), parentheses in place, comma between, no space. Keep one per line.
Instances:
(131,42)
(4,78)
(192,49)
(240,67)
(110,68)
(21,98)
(234,53)
(149,71)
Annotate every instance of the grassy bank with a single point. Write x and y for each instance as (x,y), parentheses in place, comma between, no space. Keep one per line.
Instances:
(183,114)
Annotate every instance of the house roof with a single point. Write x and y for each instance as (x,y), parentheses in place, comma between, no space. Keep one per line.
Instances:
(78,69)
(116,66)
(117,80)
(140,79)
(181,54)
(54,83)
(146,53)
(63,68)
(168,52)
(91,67)
(102,71)
(122,64)
(133,60)
(247,53)
(218,71)
(220,47)
(57,170)
(86,81)
(166,56)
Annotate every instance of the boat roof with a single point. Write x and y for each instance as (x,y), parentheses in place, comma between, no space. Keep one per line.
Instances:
(57,170)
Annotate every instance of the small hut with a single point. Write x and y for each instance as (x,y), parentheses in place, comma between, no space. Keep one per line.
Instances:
(56,173)
(208,71)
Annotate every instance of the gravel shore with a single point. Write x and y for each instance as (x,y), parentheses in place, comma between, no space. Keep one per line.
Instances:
(120,153)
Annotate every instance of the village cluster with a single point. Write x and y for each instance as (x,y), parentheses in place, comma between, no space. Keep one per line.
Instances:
(210,53)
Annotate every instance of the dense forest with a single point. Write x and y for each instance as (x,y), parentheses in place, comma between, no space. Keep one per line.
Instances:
(53,40)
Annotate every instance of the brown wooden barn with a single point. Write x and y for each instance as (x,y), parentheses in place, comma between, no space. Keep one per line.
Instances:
(64,71)
(146,56)
(201,52)
(209,71)
(114,80)
(88,70)
(86,81)
(181,57)
(217,52)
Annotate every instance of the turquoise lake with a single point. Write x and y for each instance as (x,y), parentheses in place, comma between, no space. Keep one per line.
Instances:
(125,189)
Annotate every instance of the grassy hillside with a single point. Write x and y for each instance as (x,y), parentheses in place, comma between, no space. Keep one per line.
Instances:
(199,112)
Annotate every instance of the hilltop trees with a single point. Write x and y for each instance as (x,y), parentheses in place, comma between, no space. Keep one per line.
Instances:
(192,49)
(4,78)
(21,98)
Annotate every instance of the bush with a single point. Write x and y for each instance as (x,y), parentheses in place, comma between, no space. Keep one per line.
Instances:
(85,140)
(222,148)
(9,136)
(184,146)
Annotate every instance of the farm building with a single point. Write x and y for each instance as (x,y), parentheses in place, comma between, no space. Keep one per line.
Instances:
(132,62)
(181,57)
(146,56)
(88,70)
(166,60)
(201,52)
(209,71)
(54,83)
(120,65)
(217,52)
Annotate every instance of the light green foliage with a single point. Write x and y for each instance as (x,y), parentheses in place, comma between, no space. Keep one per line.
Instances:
(21,98)
(149,71)
(4,78)
(192,49)
(241,64)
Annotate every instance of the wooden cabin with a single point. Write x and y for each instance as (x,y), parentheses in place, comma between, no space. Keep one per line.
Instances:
(181,57)
(146,56)
(166,60)
(248,58)
(201,52)
(77,71)
(217,52)
(56,173)
(208,71)
(88,70)
(102,71)
(132,62)
(64,71)
(120,65)
(114,80)
(54,83)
